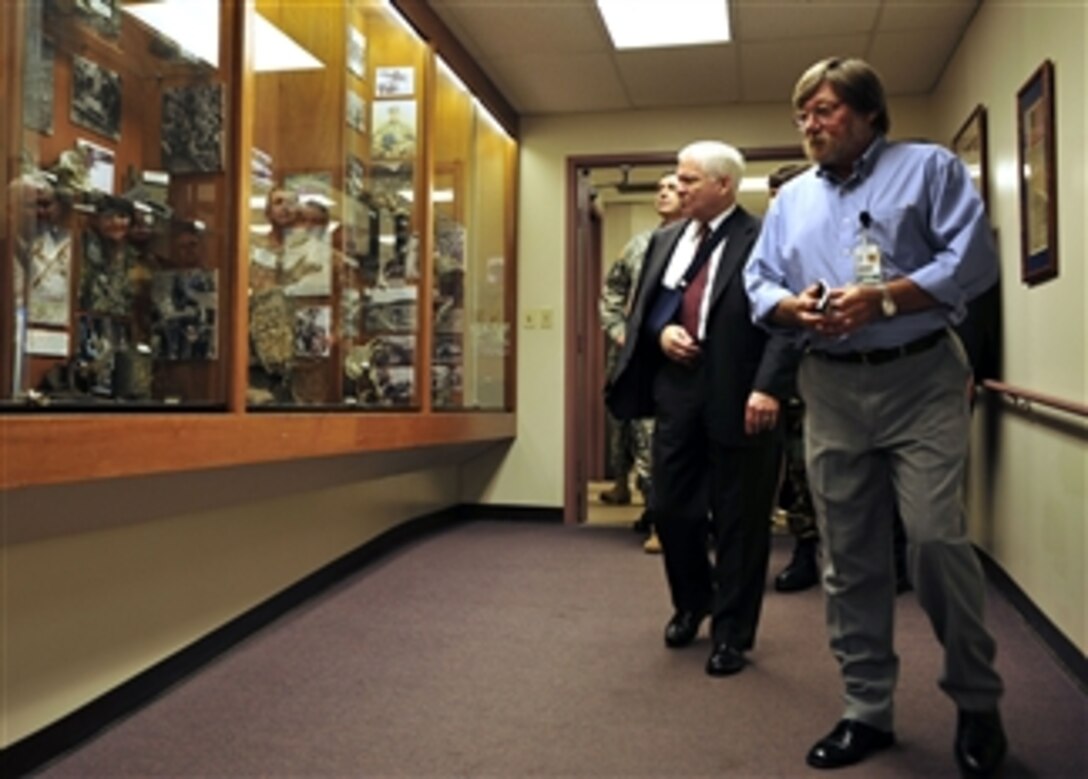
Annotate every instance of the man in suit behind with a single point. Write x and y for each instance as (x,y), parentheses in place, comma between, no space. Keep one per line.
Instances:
(714,384)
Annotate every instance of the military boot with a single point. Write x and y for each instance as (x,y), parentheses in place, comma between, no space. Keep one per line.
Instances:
(803,571)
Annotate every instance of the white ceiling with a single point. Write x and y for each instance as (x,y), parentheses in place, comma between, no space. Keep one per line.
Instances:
(555,56)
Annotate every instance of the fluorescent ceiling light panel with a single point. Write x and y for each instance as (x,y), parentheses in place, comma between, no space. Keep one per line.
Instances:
(194,26)
(646,24)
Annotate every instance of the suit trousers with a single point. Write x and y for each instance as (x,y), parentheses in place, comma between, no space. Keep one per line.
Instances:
(874,433)
(698,481)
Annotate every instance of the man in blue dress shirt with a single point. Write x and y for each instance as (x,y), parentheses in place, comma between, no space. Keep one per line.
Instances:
(870,257)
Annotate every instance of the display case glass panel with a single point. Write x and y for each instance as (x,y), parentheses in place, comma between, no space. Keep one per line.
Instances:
(489,301)
(334,255)
(474,160)
(115,239)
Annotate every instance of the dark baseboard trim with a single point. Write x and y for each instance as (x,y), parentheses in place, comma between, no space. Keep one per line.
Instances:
(1065,651)
(512,512)
(81,725)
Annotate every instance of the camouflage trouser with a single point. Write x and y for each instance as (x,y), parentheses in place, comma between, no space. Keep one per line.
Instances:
(794,497)
(629,443)
(629,448)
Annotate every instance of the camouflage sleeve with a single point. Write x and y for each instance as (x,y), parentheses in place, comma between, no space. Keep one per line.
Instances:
(619,285)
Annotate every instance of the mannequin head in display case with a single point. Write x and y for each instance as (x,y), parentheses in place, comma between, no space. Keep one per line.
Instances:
(40,206)
(281,209)
(112,219)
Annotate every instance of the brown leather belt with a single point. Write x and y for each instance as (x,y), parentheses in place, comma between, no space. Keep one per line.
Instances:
(879,356)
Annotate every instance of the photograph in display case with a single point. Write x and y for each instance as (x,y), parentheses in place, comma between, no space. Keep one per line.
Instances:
(184,314)
(356,111)
(351,312)
(354,176)
(390,310)
(38,85)
(102,16)
(192,128)
(313,331)
(394,131)
(49,280)
(356,52)
(394,82)
(101,165)
(446,384)
(96,97)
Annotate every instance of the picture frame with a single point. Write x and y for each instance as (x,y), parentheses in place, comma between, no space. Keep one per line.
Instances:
(970,145)
(396,81)
(192,128)
(1037,175)
(96,98)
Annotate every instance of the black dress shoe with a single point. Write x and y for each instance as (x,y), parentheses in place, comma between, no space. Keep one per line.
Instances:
(802,572)
(682,628)
(725,660)
(850,742)
(980,742)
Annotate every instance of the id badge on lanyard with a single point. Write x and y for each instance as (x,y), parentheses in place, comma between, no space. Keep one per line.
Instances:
(867,259)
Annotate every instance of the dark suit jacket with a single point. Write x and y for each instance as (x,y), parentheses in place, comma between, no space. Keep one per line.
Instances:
(740,356)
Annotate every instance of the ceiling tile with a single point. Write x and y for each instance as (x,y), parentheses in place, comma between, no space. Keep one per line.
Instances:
(898,15)
(896,57)
(680,76)
(770,70)
(558,84)
(757,20)
(500,28)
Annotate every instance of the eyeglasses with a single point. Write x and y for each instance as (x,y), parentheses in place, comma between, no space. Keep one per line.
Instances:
(820,111)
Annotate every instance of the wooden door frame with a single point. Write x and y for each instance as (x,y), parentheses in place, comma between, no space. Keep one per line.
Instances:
(583,345)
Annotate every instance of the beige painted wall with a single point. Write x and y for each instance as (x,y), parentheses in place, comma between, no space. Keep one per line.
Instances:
(1031,515)
(102,580)
(1029,488)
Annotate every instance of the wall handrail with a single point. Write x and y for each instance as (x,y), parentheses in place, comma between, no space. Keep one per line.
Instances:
(1024,398)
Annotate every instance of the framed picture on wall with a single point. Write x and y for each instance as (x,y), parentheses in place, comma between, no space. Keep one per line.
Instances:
(970,146)
(394,82)
(1036,155)
(192,128)
(96,97)
(356,52)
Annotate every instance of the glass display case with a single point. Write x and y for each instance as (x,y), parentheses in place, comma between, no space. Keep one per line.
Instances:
(239,218)
(271,206)
(116,235)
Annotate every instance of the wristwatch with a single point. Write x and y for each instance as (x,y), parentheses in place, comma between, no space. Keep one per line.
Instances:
(887,302)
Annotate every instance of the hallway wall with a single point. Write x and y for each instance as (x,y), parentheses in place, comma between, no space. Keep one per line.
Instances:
(101,580)
(1029,481)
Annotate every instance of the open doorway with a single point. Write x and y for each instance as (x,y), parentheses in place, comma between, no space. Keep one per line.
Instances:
(610,197)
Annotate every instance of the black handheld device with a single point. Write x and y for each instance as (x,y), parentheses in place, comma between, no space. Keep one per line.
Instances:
(823,290)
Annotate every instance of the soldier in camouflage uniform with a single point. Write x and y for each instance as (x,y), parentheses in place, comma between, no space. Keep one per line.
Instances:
(629,442)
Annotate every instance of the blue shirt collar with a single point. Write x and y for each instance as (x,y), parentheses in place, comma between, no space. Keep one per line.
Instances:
(863,165)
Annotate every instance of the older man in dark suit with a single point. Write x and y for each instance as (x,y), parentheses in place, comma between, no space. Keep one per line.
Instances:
(714,384)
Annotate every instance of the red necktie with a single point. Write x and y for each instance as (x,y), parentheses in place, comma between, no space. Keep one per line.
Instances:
(693,292)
